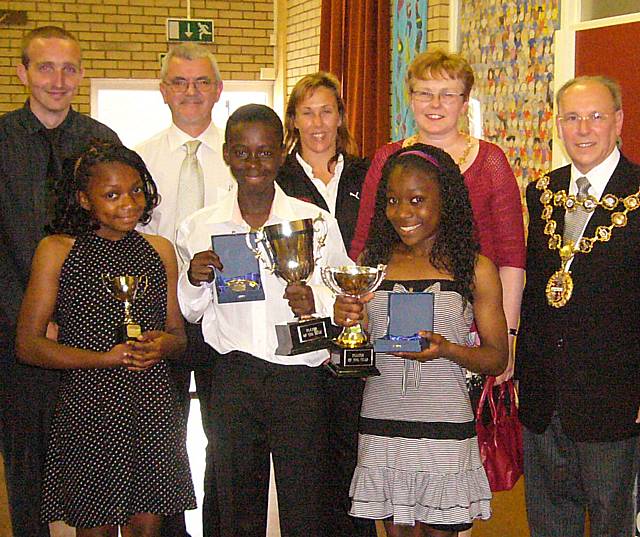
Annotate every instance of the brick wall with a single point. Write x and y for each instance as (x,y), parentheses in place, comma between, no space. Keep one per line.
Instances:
(438,24)
(302,40)
(123,38)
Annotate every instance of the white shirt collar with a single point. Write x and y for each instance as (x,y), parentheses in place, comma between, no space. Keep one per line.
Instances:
(228,210)
(209,137)
(309,170)
(598,176)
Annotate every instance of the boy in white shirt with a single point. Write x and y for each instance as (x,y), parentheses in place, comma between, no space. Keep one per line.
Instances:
(264,403)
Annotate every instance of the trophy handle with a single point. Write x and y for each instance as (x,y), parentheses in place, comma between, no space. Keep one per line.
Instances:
(106,278)
(255,249)
(321,228)
(143,290)
(327,278)
(382,271)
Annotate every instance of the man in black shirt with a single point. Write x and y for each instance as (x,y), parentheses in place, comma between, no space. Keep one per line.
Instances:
(34,141)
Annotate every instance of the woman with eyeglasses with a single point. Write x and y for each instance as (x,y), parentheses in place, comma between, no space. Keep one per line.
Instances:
(323,167)
(439,86)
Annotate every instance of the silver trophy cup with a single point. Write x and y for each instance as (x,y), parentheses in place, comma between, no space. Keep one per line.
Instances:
(288,252)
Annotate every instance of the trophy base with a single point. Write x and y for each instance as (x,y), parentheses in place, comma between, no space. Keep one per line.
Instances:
(359,362)
(352,372)
(298,337)
(129,332)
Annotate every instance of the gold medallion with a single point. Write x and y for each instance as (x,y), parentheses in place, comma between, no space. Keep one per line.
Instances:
(559,288)
(560,285)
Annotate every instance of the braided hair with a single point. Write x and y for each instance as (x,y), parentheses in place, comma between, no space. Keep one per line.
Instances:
(456,247)
(69,217)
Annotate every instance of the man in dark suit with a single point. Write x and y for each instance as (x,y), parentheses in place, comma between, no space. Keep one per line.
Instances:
(577,358)
(34,141)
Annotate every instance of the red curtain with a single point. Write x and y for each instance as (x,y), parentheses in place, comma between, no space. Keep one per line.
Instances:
(354,46)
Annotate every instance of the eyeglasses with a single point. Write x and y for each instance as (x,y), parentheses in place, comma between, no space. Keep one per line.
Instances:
(446,97)
(594,118)
(181,85)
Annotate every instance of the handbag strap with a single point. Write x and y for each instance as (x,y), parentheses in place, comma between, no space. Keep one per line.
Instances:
(487,393)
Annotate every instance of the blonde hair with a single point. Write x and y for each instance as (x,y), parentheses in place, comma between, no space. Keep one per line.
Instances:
(440,64)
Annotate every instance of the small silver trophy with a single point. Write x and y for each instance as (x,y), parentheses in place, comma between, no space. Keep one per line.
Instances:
(351,353)
(290,255)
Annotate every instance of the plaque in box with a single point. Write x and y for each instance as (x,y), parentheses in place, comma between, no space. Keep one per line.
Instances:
(408,314)
(239,281)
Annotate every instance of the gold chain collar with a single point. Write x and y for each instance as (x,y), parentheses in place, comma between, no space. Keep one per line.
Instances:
(560,285)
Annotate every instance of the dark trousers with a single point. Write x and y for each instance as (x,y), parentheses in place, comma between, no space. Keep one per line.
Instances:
(199,358)
(27,402)
(262,408)
(564,479)
(343,399)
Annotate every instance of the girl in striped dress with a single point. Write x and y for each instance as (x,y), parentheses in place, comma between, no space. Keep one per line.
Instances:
(419,466)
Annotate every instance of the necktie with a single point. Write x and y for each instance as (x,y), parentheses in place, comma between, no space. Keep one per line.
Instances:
(574,221)
(190,183)
(46,198)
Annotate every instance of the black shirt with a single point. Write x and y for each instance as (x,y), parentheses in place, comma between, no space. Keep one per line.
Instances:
(24,156)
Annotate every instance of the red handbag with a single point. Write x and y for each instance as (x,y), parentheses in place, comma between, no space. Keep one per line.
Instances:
(500,439)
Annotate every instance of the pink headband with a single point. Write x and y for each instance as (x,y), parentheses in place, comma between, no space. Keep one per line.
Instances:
(425,156)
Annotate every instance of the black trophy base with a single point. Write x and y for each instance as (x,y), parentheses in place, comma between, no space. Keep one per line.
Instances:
(129,332)
(352,363)
(298,337)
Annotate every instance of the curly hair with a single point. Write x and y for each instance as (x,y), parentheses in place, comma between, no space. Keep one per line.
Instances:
(304,88)
(69,217)
(456,246)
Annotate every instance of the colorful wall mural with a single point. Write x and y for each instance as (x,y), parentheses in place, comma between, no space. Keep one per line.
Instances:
(408,39)
(510,47)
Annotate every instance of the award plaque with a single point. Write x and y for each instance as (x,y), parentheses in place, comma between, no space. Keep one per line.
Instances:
(289,249)
(408,314)
(351,353)
(126,289)
(240,281)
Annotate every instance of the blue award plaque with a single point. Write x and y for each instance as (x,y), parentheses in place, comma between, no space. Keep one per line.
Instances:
(239,281)
(408,314)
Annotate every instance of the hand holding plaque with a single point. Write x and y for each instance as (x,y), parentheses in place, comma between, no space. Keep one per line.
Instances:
(351,353)
(126,289)
(290,255)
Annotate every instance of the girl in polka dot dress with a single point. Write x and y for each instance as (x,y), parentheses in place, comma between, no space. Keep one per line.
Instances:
(116,453)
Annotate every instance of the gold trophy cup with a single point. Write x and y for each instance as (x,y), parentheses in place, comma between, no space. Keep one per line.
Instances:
(290,255)
(351,353)
(126,289)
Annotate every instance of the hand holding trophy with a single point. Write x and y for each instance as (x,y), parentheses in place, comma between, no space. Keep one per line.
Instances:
(126,289)
(351,353)
(289,249)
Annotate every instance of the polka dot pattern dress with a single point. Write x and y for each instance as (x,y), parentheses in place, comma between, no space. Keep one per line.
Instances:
(116,446)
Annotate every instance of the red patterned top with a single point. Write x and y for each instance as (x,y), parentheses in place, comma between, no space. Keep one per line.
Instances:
(495,201)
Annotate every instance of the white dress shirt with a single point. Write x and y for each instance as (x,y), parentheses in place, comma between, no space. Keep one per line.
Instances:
(250,326)
(598,179)
(163,154)
(329,191)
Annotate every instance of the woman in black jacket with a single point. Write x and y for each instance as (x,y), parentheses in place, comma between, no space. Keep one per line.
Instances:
(322,166)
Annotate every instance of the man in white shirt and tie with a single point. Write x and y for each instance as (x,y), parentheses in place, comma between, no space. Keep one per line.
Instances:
(186,163)
(577,355)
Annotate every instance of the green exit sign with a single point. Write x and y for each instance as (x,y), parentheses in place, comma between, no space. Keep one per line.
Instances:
(198,30)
